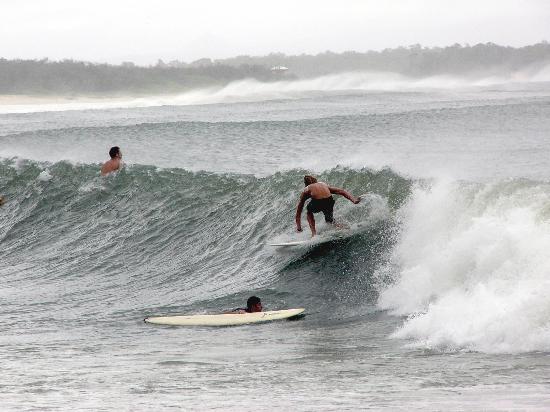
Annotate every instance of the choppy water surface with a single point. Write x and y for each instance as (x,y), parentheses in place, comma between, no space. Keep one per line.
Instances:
(435,299)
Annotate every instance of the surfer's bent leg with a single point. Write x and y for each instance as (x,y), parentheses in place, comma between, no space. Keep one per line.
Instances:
(311,221)
(312,207)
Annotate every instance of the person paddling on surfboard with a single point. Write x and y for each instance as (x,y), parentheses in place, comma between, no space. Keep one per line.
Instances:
(253,304)
(321,201)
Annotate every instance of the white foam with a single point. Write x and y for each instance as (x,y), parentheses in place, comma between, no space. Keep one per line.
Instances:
(474,268)
(44,176)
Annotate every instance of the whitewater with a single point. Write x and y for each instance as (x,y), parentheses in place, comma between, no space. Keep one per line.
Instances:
(436,298)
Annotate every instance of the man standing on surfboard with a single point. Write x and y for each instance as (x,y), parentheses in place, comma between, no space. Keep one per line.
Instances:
(321,201)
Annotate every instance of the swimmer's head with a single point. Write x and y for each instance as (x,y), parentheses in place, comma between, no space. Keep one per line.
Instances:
(254,304)
(115,152)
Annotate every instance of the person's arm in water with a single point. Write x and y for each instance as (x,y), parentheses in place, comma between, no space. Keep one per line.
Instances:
(303,197)
(238,311)
(342,192)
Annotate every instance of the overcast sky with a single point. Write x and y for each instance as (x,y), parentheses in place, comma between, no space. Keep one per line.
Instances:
(144,31)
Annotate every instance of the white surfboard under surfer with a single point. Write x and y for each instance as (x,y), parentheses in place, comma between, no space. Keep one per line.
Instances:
(320,194)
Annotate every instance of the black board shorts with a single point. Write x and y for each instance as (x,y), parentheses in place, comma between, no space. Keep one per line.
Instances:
(325,205)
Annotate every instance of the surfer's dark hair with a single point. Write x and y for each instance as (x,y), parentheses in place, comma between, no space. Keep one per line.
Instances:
(114,151)
(252,300)
(309,180)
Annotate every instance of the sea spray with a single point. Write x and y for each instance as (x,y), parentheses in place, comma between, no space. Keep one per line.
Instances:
(473,267)
(252,90)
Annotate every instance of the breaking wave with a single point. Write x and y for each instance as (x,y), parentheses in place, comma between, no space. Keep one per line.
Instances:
(471,266)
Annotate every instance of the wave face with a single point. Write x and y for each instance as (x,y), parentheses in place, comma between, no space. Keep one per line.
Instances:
(470,268)
(148,238)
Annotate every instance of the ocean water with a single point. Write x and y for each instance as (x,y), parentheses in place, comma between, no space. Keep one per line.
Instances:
(436,298)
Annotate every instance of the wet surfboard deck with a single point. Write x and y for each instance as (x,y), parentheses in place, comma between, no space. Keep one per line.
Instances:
(317,240)
(225,319)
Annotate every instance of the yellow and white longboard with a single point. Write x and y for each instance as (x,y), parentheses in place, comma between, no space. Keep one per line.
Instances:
(226,319)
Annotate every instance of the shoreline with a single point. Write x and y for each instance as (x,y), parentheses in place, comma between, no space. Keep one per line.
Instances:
(20,104)
(28,99)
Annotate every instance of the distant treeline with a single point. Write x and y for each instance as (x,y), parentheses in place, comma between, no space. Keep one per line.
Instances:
(414,60)
(68,77)
(73,77)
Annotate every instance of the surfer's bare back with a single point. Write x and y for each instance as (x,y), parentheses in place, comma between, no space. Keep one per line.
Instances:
(114,163)
(321,201)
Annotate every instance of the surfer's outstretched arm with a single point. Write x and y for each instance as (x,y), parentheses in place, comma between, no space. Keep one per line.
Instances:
(347,195)
(299,208)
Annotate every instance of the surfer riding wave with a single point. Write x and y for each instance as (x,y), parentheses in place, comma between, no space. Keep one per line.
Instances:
(320,194)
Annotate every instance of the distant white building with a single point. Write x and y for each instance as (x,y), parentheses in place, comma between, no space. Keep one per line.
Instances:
(279,69)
